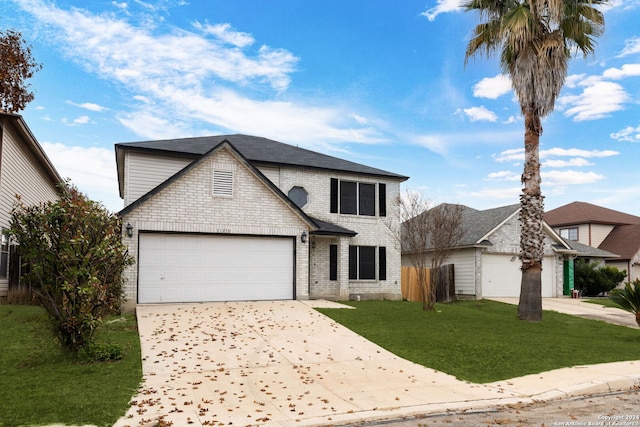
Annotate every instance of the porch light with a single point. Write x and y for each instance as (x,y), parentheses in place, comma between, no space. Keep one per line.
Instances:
(303,237)
(129,230)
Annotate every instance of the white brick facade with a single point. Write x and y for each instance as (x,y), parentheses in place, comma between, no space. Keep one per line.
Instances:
(187,205)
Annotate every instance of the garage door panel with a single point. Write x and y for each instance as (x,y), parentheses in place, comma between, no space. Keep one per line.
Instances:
(501,277)
(191,268)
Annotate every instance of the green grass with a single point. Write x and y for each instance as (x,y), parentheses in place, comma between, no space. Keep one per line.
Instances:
(607,302)
(482,341)
(40,384)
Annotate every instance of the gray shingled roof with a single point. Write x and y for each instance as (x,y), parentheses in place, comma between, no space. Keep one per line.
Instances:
(589,251)
(257,150)
(477,224)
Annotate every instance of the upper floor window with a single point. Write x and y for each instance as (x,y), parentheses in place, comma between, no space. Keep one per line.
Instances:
(357,198)
(569,233)
(4,254)
(299,196)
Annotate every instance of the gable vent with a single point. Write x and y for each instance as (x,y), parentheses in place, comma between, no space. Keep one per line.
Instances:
(222,183)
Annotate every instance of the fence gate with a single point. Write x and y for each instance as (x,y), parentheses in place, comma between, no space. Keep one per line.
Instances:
(445,286)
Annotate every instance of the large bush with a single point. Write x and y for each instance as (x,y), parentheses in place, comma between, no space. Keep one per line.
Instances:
(76,259)
(593,279)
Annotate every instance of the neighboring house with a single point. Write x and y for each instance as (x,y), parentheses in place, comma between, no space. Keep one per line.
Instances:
(238,217)
(486,260)
(26,171)
(612,231)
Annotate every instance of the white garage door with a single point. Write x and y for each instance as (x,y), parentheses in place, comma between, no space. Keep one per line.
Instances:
(195,268)
(501,277)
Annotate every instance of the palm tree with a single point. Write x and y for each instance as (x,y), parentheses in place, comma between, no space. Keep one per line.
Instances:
(536,39)
(628,298)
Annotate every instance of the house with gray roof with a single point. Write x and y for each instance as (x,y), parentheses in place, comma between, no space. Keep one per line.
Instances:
(237,217)
(486,259)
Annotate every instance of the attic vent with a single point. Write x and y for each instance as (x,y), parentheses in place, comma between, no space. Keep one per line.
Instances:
(222,183)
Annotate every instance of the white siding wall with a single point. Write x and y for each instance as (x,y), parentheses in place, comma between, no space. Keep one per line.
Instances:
(20,173)
(188,206)
(144,172)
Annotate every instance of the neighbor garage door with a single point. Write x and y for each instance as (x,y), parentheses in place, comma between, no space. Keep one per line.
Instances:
(194,268)
(501,277)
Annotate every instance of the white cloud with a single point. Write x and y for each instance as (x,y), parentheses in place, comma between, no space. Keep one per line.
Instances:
(480,113)
(88,106)
(577,152)
(517,155)
(575,162)
(511,155)
(82,120)
(196,81)
(227,35)
(358,118)
(442,6)
(492,87)
(595,102)
(504,176)
(631,46)
(629,133)
(97,180)
(627,70)
(569,177)
(496,193)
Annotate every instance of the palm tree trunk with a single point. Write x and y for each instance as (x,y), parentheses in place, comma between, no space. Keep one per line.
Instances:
(531,215)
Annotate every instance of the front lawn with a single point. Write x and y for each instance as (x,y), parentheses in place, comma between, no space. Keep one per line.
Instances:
(482,341)
(40,384)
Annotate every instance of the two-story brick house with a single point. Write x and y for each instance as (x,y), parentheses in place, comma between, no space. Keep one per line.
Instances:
(238,217)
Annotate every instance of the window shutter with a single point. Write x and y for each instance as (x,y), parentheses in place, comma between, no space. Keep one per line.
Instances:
(353,262)
(382,263)
(334,195)
(333,262)
(382,199)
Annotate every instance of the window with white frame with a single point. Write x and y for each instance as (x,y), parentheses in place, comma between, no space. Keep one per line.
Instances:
(569,233)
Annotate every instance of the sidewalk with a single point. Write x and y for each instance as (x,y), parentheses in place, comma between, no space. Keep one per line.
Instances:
(282,363)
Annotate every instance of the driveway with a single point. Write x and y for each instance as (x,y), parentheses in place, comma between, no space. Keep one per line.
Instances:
(582,308)
(283,363)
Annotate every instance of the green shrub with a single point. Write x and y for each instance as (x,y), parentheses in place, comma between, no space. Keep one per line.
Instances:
(593,279)
(76,258)
(101,352)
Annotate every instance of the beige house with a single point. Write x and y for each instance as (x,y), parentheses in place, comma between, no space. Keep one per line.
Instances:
(609,230)
(25,170)
(238,217)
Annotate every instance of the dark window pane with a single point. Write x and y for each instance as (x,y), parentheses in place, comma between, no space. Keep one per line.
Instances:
(353,262)
(334,196)
(367,199)
(382,261)
(367,262)
(348,198)
(333,262)
(382,198)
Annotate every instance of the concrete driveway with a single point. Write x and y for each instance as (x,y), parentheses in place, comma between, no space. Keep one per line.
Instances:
(582,308)
(283,363)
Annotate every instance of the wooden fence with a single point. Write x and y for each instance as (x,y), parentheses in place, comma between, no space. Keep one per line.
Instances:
(445,286)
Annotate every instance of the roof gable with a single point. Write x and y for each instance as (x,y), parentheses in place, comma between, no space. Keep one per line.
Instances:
(585,213)
(221,146)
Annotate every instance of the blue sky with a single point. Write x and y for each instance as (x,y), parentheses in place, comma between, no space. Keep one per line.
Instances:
(374,82)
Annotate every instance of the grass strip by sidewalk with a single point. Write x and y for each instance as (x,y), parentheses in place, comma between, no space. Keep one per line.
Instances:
(483,341)
(605,301)
(40,384)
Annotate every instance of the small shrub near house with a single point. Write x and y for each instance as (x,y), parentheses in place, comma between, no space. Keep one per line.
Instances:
(593,279)
(75,262)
